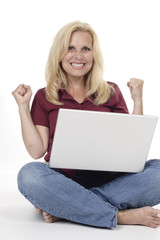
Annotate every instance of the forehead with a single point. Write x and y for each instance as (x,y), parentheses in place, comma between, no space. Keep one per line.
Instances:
(81,38)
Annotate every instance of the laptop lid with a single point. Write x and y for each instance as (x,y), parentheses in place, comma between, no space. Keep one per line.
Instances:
(101,141)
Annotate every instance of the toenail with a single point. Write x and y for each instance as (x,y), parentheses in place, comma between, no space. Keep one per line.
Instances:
(158,215)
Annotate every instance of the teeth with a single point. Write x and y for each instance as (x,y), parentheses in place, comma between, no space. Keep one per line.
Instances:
(77,65)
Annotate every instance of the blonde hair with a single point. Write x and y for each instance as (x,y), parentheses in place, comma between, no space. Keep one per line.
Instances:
(55,75)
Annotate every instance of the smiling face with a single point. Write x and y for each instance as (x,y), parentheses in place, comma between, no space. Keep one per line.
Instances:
(79,59)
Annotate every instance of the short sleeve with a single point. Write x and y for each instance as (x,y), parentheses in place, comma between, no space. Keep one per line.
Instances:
(38,112)
(118,103)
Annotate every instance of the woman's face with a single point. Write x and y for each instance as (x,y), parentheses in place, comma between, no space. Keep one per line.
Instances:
(79,59)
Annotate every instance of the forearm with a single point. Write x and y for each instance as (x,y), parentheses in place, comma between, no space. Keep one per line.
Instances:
(138,107)
(32,139)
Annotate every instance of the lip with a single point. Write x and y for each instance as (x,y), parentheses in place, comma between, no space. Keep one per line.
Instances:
(77,65)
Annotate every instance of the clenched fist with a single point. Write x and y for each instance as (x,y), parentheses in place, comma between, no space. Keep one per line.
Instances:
(136,88)
(22,95)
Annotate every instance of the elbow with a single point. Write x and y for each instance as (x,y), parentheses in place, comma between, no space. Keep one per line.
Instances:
(36,157)
(36,154)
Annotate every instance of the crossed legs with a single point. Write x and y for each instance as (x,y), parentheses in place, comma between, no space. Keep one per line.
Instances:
(121,201)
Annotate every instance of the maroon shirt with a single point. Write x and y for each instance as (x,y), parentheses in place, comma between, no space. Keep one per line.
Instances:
(45,113)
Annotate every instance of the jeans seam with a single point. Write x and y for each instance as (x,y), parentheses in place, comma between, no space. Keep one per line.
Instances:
(44,206)
(69,218)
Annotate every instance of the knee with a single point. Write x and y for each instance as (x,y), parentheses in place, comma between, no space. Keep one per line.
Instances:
(28,176)
(152,169)
(154,163)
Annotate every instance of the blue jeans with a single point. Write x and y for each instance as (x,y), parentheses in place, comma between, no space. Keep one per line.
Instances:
(95,204)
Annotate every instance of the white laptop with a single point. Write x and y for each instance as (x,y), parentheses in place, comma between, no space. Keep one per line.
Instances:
(102,141)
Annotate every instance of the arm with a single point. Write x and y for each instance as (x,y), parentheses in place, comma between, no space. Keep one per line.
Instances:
(136,89)
(35,137)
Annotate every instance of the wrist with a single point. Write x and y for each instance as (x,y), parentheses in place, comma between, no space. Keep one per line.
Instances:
(138,101)
(138,107)
(24,108)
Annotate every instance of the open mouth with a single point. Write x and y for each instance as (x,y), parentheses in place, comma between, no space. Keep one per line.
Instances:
(77,65)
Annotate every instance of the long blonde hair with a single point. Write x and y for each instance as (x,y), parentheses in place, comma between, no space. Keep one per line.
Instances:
(55,75)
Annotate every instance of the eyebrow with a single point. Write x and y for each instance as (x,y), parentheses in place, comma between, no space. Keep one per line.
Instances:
(71,45)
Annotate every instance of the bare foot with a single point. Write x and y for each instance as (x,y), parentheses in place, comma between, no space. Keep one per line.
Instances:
(48,217)
(38,210)
(146,216)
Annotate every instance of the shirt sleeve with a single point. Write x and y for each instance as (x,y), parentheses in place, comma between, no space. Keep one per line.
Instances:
(38,112)
(118,103)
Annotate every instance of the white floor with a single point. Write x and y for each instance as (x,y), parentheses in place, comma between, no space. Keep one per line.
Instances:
(19,221)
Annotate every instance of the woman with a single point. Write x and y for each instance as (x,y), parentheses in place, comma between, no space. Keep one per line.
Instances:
(74,75)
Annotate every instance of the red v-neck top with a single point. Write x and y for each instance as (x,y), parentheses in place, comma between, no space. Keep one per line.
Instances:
(45,113)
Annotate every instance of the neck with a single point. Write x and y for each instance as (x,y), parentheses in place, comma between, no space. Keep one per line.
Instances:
(76,84)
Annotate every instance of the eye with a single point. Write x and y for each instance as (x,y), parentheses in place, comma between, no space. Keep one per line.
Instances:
(71,48)
(86,49)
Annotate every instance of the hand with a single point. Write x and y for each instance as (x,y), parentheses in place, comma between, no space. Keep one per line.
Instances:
(22,95)
(136,88)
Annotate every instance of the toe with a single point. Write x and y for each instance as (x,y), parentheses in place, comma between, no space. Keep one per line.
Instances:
(38,210)
(47,217)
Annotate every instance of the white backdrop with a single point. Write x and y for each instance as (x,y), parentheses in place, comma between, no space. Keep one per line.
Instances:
(129,35)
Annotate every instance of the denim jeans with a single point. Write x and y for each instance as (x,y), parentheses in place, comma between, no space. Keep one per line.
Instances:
(91,198)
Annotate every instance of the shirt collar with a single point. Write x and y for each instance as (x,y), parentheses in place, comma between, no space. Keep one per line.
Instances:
(63,94)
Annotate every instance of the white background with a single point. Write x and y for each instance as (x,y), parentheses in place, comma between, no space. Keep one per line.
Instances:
(128,31)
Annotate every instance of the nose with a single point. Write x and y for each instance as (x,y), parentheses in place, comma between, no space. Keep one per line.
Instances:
(78,55)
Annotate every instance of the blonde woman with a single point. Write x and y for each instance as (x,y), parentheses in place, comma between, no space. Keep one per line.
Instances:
(74,75)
